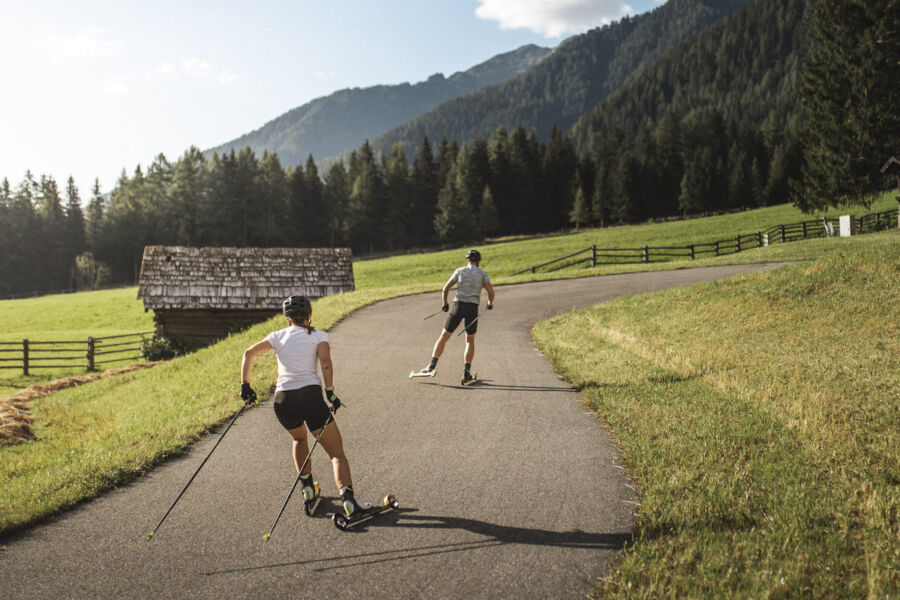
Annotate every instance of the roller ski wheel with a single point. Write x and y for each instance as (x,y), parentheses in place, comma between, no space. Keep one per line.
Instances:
(423,373)
(310,505)
(344,522)
(469,378)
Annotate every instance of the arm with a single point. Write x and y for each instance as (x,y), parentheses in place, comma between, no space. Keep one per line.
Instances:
(249,354)
(323,350)
(446,291)
(490,291)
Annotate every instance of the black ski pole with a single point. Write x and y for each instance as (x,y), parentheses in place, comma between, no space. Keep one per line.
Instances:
(432,314)
(184,489)
(293,487)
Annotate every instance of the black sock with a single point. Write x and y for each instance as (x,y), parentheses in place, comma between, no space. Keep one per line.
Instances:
(468,367)
(433,362)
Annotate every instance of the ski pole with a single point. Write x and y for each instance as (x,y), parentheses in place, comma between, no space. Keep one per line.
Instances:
(466,328)
(293,487)
(432,314)
(233,419)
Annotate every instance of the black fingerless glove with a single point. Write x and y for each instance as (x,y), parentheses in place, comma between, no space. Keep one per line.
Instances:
(445,307)
(247,393)
(335,401)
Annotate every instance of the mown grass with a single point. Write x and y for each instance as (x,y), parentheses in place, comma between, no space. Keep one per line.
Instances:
(760,419)
(68,317)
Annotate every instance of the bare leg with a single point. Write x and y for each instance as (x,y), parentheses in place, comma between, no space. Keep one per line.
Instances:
(333,444)
(470,347)
(440,343)
(300,449)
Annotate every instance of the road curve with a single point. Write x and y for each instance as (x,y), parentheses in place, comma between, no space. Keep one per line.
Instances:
(508,488)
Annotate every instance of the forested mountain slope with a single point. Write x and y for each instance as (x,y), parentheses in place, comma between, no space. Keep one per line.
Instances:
(581,72)
(338,122)
(746,67)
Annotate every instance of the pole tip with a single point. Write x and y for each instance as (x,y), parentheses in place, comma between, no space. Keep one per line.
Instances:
(267,536)
(149,536)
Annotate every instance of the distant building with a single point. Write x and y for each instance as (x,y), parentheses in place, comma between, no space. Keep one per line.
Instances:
(204,293)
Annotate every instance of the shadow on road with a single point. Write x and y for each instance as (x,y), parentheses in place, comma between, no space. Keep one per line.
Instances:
(493,535)
(487,385)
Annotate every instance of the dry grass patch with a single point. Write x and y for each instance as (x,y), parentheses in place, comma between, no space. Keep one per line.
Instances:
(15,418)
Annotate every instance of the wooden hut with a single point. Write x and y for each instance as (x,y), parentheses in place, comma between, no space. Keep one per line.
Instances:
(204,293)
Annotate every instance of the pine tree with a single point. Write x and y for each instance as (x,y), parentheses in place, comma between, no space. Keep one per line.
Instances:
(581,212)
(425,194)
(850,90)
(488,218)
(74,226)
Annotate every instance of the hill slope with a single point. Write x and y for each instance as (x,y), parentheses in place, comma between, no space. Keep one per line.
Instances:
(336,123)
(580,73)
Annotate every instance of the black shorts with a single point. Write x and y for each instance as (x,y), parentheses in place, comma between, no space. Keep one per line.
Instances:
(304,405)
(460,311)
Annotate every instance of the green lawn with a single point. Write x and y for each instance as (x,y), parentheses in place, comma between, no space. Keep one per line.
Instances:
(760,419)
(68,317)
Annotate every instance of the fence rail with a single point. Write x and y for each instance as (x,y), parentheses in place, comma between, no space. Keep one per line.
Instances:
(39,354)
(791,232)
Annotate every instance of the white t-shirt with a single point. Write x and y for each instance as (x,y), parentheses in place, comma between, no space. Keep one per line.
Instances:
(297,353)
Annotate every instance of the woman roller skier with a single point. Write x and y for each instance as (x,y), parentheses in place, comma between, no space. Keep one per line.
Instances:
(298,398)
(468,281)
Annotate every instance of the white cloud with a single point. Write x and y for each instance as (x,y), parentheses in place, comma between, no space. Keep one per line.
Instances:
(552,18)
(118,86)
(85,45)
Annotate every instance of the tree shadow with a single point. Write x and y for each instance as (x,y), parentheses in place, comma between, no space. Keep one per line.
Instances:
(492,535)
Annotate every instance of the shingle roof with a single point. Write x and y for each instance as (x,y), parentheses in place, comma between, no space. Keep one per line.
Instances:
(180,277)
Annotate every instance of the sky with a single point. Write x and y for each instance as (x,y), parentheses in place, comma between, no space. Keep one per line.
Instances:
(92,87)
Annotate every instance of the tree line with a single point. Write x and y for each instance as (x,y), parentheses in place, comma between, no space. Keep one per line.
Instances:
(449,193)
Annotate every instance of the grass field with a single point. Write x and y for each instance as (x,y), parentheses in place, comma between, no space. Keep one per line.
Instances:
(760,419)
(708,435)
(68,317)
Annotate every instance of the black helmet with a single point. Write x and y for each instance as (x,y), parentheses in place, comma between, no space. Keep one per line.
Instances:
(296,307)
(473,255)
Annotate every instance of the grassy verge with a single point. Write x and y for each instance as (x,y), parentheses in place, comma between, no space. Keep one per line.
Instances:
(760,418)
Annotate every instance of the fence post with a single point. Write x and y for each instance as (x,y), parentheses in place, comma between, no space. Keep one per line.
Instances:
(593,255)
(717,247)
(25,357)
(781,227)
(738,240)
(759,239)
(692,251)
(646,253)
(91,346)
(803,224)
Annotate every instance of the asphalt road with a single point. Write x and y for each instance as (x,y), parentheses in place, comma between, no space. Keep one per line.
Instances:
(508,488)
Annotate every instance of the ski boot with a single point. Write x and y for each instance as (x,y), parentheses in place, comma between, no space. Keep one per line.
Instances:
(351,505)
(310,491)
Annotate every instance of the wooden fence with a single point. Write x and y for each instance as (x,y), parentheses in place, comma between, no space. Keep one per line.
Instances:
(803,230)
(33,354)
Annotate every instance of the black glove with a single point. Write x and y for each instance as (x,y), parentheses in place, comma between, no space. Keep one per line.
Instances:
(247,393)
(335,401)
(490,306)
(445,307)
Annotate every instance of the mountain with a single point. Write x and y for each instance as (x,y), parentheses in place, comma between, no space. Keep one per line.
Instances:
(332,124)
(579,74)
(746,67)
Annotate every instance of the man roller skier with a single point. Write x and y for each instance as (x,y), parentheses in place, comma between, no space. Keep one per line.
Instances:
(468,281)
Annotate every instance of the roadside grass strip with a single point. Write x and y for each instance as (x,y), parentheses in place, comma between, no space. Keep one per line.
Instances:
(759,418)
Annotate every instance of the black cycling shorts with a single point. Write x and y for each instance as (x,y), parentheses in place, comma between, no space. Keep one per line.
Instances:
(460,311)
(304,405)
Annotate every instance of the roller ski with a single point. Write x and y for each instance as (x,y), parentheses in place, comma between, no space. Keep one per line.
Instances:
(468,378)
(311,497)
(356,512)
(429,371)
